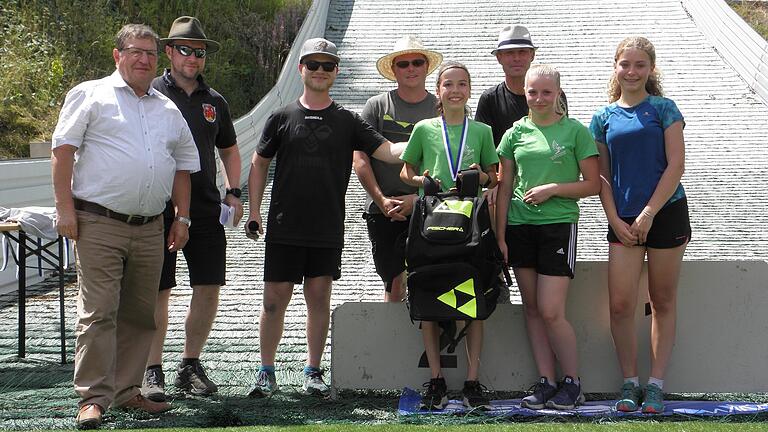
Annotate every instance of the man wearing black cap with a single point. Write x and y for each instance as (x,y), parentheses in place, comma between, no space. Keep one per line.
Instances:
(208,117)
(312,140)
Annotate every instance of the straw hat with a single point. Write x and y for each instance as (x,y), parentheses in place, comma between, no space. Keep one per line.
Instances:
(407,45)
(189,28)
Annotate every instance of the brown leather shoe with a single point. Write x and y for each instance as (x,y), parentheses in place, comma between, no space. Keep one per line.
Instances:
(89,416)
(139,402)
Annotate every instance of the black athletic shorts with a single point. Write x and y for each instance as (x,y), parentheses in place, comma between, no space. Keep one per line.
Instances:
(671,227)
(205,253)
(387,245)
(550,248)
(287,263)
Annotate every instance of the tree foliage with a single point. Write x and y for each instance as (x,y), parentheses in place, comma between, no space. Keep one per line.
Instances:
(48,46)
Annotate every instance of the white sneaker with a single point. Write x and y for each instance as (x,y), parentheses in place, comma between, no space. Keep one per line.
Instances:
(314,384)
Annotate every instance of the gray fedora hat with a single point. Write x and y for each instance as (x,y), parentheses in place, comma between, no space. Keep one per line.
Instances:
(189,28)
(515,36)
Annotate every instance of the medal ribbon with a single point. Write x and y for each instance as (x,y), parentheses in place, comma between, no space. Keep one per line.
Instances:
(446,141)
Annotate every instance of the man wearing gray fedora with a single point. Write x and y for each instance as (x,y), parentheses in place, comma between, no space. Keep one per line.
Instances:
(208,117)
(505,103)
(393,114)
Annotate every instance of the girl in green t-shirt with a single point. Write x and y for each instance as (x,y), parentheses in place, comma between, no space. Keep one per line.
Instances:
(542,157)
(443,146)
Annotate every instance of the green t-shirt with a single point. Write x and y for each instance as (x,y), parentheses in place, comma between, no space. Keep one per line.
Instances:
(426,150)
(542,155)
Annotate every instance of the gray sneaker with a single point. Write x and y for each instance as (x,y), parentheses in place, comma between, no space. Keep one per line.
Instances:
(153,385)
(266,385)
(542,392)
(192,379)
(314,384)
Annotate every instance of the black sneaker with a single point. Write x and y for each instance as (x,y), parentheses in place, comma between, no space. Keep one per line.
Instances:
(153,384)
(542,392)
(192,378)
(436,396)
(475,396)
(568,396)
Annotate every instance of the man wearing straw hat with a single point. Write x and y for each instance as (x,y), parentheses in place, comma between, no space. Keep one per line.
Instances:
(312,140)
(393,114)
(207,115)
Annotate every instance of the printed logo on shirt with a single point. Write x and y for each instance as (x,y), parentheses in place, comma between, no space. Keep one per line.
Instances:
(209,112)
(313,117)
(561,251)
(558,151)
(312,135)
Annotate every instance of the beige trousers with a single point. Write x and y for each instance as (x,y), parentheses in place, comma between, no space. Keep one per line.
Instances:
(119,269)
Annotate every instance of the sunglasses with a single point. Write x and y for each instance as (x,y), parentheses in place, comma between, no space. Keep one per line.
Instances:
(315,65)
(187,51)
(402,64)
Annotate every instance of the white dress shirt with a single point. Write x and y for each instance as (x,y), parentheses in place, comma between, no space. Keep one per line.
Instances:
(129,147)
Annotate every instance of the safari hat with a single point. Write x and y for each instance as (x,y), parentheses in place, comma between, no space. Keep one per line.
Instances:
(515,36)
(189,28)
(407,45)
(319,46)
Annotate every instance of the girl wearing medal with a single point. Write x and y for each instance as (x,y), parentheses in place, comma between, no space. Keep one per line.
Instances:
(545,153)
(441,147)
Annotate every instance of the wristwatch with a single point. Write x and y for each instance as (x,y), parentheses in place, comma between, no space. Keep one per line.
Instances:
(236,192)
(185,220)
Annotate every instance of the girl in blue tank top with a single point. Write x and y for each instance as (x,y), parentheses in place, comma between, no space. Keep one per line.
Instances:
(642,158)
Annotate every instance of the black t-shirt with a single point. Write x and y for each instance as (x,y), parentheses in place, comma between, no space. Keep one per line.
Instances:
(498,107)
(312,170)
(207,115)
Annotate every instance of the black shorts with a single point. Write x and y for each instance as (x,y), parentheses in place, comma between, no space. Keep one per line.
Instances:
(205,253)
(671,227)
(287,263)
(550,248)
(387,245)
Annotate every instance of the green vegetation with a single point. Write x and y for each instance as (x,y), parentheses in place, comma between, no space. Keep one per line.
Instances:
(642,426)
(48,46)
(755,13)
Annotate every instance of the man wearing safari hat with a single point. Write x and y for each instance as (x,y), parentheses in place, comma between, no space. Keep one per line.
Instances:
(312,140)
(208,117)
(393,114)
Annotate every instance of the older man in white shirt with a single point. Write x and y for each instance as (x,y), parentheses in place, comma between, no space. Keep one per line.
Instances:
(120,150)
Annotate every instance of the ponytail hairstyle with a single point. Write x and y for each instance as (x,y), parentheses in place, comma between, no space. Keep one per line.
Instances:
(444,67)
(653,85)
(545,70)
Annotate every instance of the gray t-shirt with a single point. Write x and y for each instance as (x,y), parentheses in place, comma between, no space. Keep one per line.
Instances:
(394,118)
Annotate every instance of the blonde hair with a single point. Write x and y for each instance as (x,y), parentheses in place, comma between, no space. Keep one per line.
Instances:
(653,85)
(545,70)
(444,67)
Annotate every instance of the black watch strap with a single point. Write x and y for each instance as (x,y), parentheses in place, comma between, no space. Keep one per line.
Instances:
(237,192)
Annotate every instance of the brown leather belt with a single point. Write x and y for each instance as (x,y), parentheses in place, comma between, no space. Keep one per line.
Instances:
(94,208)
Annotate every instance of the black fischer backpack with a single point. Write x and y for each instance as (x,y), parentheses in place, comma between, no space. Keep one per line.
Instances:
(454,264)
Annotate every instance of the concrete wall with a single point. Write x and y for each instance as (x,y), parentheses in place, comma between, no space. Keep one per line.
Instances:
(721,346)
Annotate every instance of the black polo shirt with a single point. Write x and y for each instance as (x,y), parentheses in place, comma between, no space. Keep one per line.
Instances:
(207,114)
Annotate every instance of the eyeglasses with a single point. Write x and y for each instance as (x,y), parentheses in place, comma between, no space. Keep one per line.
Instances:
(402,64)
(137,52)
(315,65)
(187,51)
